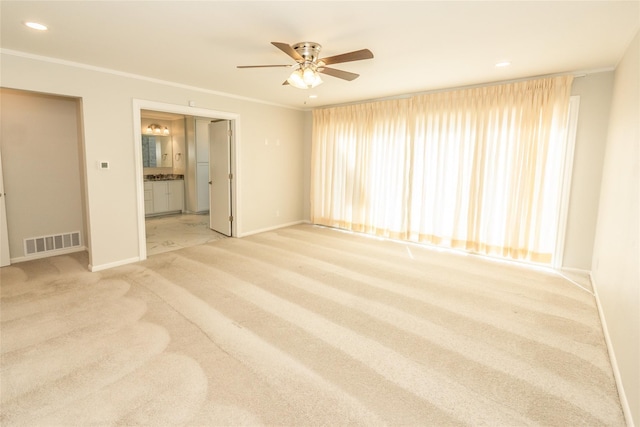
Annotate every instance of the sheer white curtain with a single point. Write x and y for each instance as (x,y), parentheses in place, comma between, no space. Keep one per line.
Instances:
(478,169)
(361,167)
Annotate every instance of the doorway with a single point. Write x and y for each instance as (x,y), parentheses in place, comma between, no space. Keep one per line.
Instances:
(43,176)
(189,112)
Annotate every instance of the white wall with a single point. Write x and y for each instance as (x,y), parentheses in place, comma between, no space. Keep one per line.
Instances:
(270,176)
(591,136)
(41,165)
(616,254)
(178,136)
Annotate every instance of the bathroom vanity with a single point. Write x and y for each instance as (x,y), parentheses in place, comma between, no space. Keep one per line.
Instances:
(163,194)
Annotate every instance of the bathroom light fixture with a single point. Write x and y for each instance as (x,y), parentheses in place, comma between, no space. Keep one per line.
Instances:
(157,129)
(305,76)
(36,26)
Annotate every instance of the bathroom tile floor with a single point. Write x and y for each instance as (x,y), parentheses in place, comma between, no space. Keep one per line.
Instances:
(171,232)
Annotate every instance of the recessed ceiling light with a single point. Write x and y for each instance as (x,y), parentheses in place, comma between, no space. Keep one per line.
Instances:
(503,64)
(313,96)
(36,26)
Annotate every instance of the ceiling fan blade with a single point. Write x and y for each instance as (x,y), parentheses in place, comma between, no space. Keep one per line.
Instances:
(261,66)
(344,75)
(356,55)
(288,50)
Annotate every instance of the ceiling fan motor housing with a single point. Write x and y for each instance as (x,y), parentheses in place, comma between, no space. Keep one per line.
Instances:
(310,51)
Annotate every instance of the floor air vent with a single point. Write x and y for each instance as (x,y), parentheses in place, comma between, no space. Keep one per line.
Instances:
(37,245)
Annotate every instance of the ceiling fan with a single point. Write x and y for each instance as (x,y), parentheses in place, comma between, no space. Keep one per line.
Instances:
(308,64)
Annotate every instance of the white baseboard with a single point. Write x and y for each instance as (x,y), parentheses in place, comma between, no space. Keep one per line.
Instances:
(275,227)
(576,270)
(48,254)
(94,268)
(567,272)
(624,402)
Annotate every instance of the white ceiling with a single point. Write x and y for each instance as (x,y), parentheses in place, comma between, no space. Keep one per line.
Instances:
(418,46)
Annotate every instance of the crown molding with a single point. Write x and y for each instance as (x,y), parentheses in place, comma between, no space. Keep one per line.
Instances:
(119,73)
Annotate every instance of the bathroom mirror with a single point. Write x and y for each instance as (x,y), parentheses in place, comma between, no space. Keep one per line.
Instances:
(157,151)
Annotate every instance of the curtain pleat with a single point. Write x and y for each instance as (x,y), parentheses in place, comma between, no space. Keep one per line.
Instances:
(477,169)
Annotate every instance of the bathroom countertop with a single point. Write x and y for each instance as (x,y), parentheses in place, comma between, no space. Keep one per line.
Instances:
(163,177)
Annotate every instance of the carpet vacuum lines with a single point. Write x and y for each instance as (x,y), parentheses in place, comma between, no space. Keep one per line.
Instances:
(218,253)
(506,367)
(300,326)
(286,376)
(392,279)
(463,404)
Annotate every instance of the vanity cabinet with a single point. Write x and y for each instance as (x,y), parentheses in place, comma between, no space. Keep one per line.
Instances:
(164,196)
(175,193)
(148,197)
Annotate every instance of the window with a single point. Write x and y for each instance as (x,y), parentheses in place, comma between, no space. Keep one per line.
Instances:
(478,169)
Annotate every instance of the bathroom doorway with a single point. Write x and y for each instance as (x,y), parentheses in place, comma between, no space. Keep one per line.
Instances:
(183,154)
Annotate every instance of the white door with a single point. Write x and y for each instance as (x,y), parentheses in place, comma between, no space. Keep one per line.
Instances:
(5,259)
(220,177)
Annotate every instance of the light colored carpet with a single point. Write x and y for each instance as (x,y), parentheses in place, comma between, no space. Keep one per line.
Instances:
(301,326)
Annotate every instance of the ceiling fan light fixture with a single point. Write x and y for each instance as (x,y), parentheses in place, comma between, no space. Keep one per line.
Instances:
(304,77)
(309,76)
(295,79)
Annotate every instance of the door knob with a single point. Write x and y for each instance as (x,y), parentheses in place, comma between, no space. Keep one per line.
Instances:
(209,182)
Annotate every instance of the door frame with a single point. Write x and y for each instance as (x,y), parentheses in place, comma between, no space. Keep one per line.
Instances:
(5,254)
(234,118)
